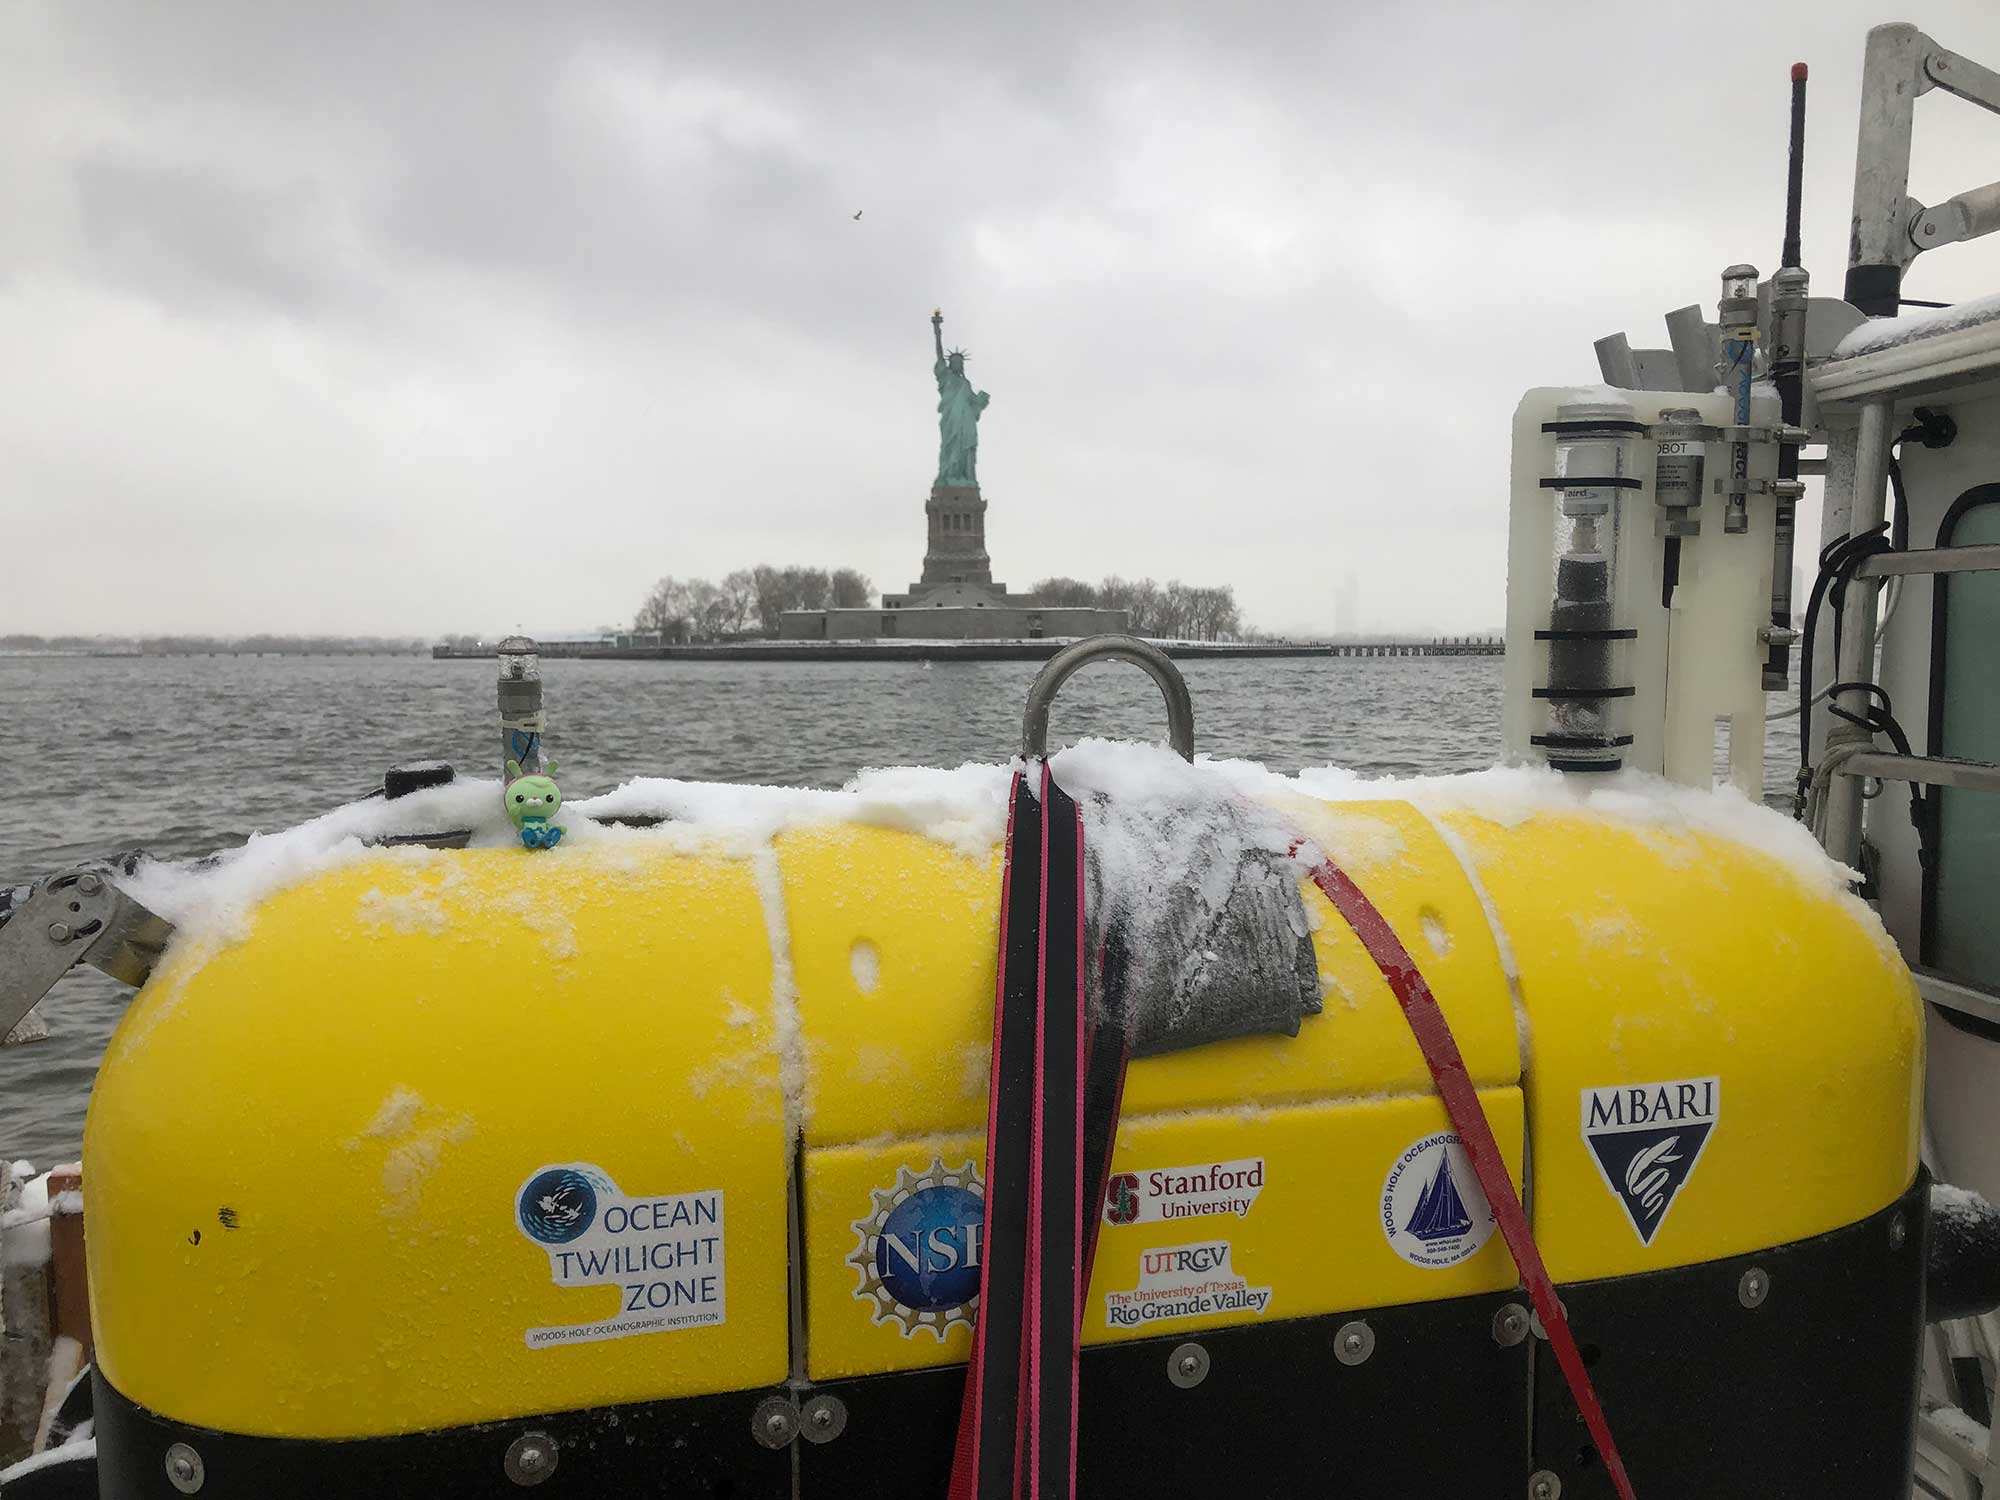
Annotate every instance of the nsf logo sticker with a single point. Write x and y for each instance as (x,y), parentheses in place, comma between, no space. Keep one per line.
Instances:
(918,1250)
(1434,1213)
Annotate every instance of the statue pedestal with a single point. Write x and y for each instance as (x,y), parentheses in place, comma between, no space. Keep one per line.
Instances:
(956,551)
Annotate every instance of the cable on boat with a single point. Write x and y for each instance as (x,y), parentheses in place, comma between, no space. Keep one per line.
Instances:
(1837,562)
(1880,718)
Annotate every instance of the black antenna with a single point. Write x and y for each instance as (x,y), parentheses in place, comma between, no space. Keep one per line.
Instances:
(1796,169)
(1789,288)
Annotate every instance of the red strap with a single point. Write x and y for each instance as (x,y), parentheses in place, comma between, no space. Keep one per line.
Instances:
(1461,1104)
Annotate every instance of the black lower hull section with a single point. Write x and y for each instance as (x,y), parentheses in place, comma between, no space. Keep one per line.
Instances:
(1806,1389)
(1810,1392)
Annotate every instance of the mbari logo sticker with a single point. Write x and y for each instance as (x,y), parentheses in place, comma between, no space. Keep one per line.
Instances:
(1433,1211)
(917,1251)
(1646,1139)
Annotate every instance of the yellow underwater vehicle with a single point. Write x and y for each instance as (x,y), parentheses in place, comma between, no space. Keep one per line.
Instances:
(658,1163)
(1115,1122)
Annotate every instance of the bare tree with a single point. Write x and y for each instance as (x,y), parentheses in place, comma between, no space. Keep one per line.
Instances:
(805,588)
(1140,599)
(1212,613)
(705,608)
(698,608)
(767,587)
(1119,593)
(851,589)
(667,610)
(740,591)
(1065,593)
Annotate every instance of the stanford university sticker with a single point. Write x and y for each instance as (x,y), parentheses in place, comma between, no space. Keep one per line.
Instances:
(1433,1211)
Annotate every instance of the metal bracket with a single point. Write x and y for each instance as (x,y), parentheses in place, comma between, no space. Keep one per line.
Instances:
(1926,770)
(75,916)
(1963,77)
(1952,995)
(1966,217)
(1977,557)
(1725,485)
(1064,664)
(1682,432)
(1890,229)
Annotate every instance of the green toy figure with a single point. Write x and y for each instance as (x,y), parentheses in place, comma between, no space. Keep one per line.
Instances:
(531,802)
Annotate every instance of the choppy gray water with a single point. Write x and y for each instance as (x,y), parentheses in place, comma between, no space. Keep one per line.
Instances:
(182,756)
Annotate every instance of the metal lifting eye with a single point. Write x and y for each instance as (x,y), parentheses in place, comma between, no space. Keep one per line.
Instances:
(1063,665)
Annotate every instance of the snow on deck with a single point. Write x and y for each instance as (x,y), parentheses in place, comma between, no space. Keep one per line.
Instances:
(966,809)
(1878,334)
(24,1225)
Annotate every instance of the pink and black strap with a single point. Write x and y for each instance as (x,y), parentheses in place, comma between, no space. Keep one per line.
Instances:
(1056,1083)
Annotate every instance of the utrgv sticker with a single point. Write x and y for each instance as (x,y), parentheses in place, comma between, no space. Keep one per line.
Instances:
(1184,1281)
(918,1250)
(1434,1213)
(1646,1139)
(663,1254)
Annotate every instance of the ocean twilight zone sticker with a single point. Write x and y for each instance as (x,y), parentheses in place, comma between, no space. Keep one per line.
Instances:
(665,1255)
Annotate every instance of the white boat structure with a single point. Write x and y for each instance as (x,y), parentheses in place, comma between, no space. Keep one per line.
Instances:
(1576,1129)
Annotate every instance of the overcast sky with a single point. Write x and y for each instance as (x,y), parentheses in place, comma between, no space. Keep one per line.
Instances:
(417,318)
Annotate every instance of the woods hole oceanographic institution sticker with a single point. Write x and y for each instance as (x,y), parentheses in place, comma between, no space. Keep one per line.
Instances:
(1434,1213)
(663,1254)
(1646,1138)
(917,1250)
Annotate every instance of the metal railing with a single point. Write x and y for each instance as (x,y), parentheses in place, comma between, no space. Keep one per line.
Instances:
(1980,557)
(1891,229)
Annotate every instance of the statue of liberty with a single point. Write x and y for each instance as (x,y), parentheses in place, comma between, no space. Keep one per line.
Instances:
(959,406)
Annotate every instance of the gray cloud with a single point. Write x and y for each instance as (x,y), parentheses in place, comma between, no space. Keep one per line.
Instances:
(202,241)
(314,311)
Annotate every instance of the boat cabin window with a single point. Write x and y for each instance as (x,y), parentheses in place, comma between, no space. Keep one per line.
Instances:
(1961,937)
